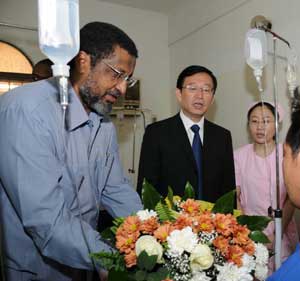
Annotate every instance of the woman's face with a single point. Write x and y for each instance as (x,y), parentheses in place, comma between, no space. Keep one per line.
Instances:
(262,125)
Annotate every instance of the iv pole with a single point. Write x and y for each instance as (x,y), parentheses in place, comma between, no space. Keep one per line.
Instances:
(262,23)
(277,211)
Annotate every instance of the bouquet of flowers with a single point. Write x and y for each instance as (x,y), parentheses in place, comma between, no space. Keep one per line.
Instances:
(183,239)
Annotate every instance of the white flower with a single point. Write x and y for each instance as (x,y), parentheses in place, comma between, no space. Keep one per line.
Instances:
(261,272)
(149,244)
(230,272)
(146,214)
(182,240)
(248,262)
(201,258)
(261,254)
(200,276)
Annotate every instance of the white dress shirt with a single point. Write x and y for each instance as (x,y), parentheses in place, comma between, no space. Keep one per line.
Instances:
(188,123)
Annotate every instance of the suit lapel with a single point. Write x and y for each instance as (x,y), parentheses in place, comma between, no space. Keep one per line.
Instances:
(209,141)
(180,136)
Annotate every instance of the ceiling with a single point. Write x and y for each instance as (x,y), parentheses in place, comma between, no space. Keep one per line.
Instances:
(162,6)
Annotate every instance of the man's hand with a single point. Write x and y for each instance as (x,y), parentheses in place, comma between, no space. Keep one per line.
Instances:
(103,275)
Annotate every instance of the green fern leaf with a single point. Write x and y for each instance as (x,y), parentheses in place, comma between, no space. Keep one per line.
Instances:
(164,212)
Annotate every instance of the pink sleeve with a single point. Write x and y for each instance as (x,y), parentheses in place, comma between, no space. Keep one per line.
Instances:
(237,168)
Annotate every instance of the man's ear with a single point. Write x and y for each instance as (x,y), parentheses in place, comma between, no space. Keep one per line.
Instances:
(178,95)
(83,62)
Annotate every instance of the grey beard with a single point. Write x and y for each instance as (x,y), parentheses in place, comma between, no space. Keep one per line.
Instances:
(95,103)
(102,108)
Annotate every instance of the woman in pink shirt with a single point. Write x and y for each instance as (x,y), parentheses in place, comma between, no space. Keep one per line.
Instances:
(255,172)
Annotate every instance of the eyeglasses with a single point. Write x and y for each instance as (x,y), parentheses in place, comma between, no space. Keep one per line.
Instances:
(193,89)
(119,75)
(256,123)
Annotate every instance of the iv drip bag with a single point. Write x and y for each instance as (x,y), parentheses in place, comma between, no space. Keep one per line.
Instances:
(291,72)
(256,50)
(59,32)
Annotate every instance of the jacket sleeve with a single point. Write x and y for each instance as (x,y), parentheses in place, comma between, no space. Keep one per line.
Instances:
(150,159)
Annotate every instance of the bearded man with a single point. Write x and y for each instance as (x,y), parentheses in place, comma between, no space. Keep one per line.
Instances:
(56,173)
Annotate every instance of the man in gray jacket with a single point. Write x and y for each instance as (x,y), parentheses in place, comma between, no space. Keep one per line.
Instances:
(55,173)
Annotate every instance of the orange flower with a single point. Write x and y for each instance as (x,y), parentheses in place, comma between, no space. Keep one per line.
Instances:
(163,232)
(183,221)
(149,226)
(130,259)
(204,222)
(225,224)
(249,248)
(235,254)
(240,235)
(222,244)
(126,243)
(131,224)
(191,207)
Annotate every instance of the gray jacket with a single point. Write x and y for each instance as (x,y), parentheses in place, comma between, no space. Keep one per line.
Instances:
(52,182)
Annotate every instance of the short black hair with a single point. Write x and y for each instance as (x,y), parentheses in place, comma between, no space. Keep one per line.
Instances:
(293,134)
(99,39)
(194,69)
(261,104)
(42,70)
(46,62)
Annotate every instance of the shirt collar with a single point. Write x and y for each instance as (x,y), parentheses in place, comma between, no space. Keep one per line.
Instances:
(188,123)
(76,114)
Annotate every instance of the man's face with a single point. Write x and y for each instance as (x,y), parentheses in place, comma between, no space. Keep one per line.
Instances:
(102,85)
(196,95)
(291,172)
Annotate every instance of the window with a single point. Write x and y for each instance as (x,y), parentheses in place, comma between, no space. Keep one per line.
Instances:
(15,67)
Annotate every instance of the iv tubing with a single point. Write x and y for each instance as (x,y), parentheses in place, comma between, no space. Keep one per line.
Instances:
(63,92)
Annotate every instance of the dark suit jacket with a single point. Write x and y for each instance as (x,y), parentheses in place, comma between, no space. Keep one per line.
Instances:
(167,159)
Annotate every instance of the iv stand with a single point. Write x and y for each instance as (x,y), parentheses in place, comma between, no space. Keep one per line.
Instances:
(277,211)
(261,22)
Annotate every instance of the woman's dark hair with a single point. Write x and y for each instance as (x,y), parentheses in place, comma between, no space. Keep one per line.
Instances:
(266,104)
(194,69)
(293,134)
(99,39)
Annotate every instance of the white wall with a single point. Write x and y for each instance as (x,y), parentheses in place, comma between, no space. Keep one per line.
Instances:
(207,32)
(211,33)
(148,29)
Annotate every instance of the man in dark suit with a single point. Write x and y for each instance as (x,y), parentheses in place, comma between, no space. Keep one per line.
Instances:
(172,152)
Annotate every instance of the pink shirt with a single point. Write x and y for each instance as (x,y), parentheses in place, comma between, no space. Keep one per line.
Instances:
(256,177)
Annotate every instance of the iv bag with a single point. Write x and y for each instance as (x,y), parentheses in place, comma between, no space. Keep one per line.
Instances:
(59,32)
(291,72)
(256,48)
